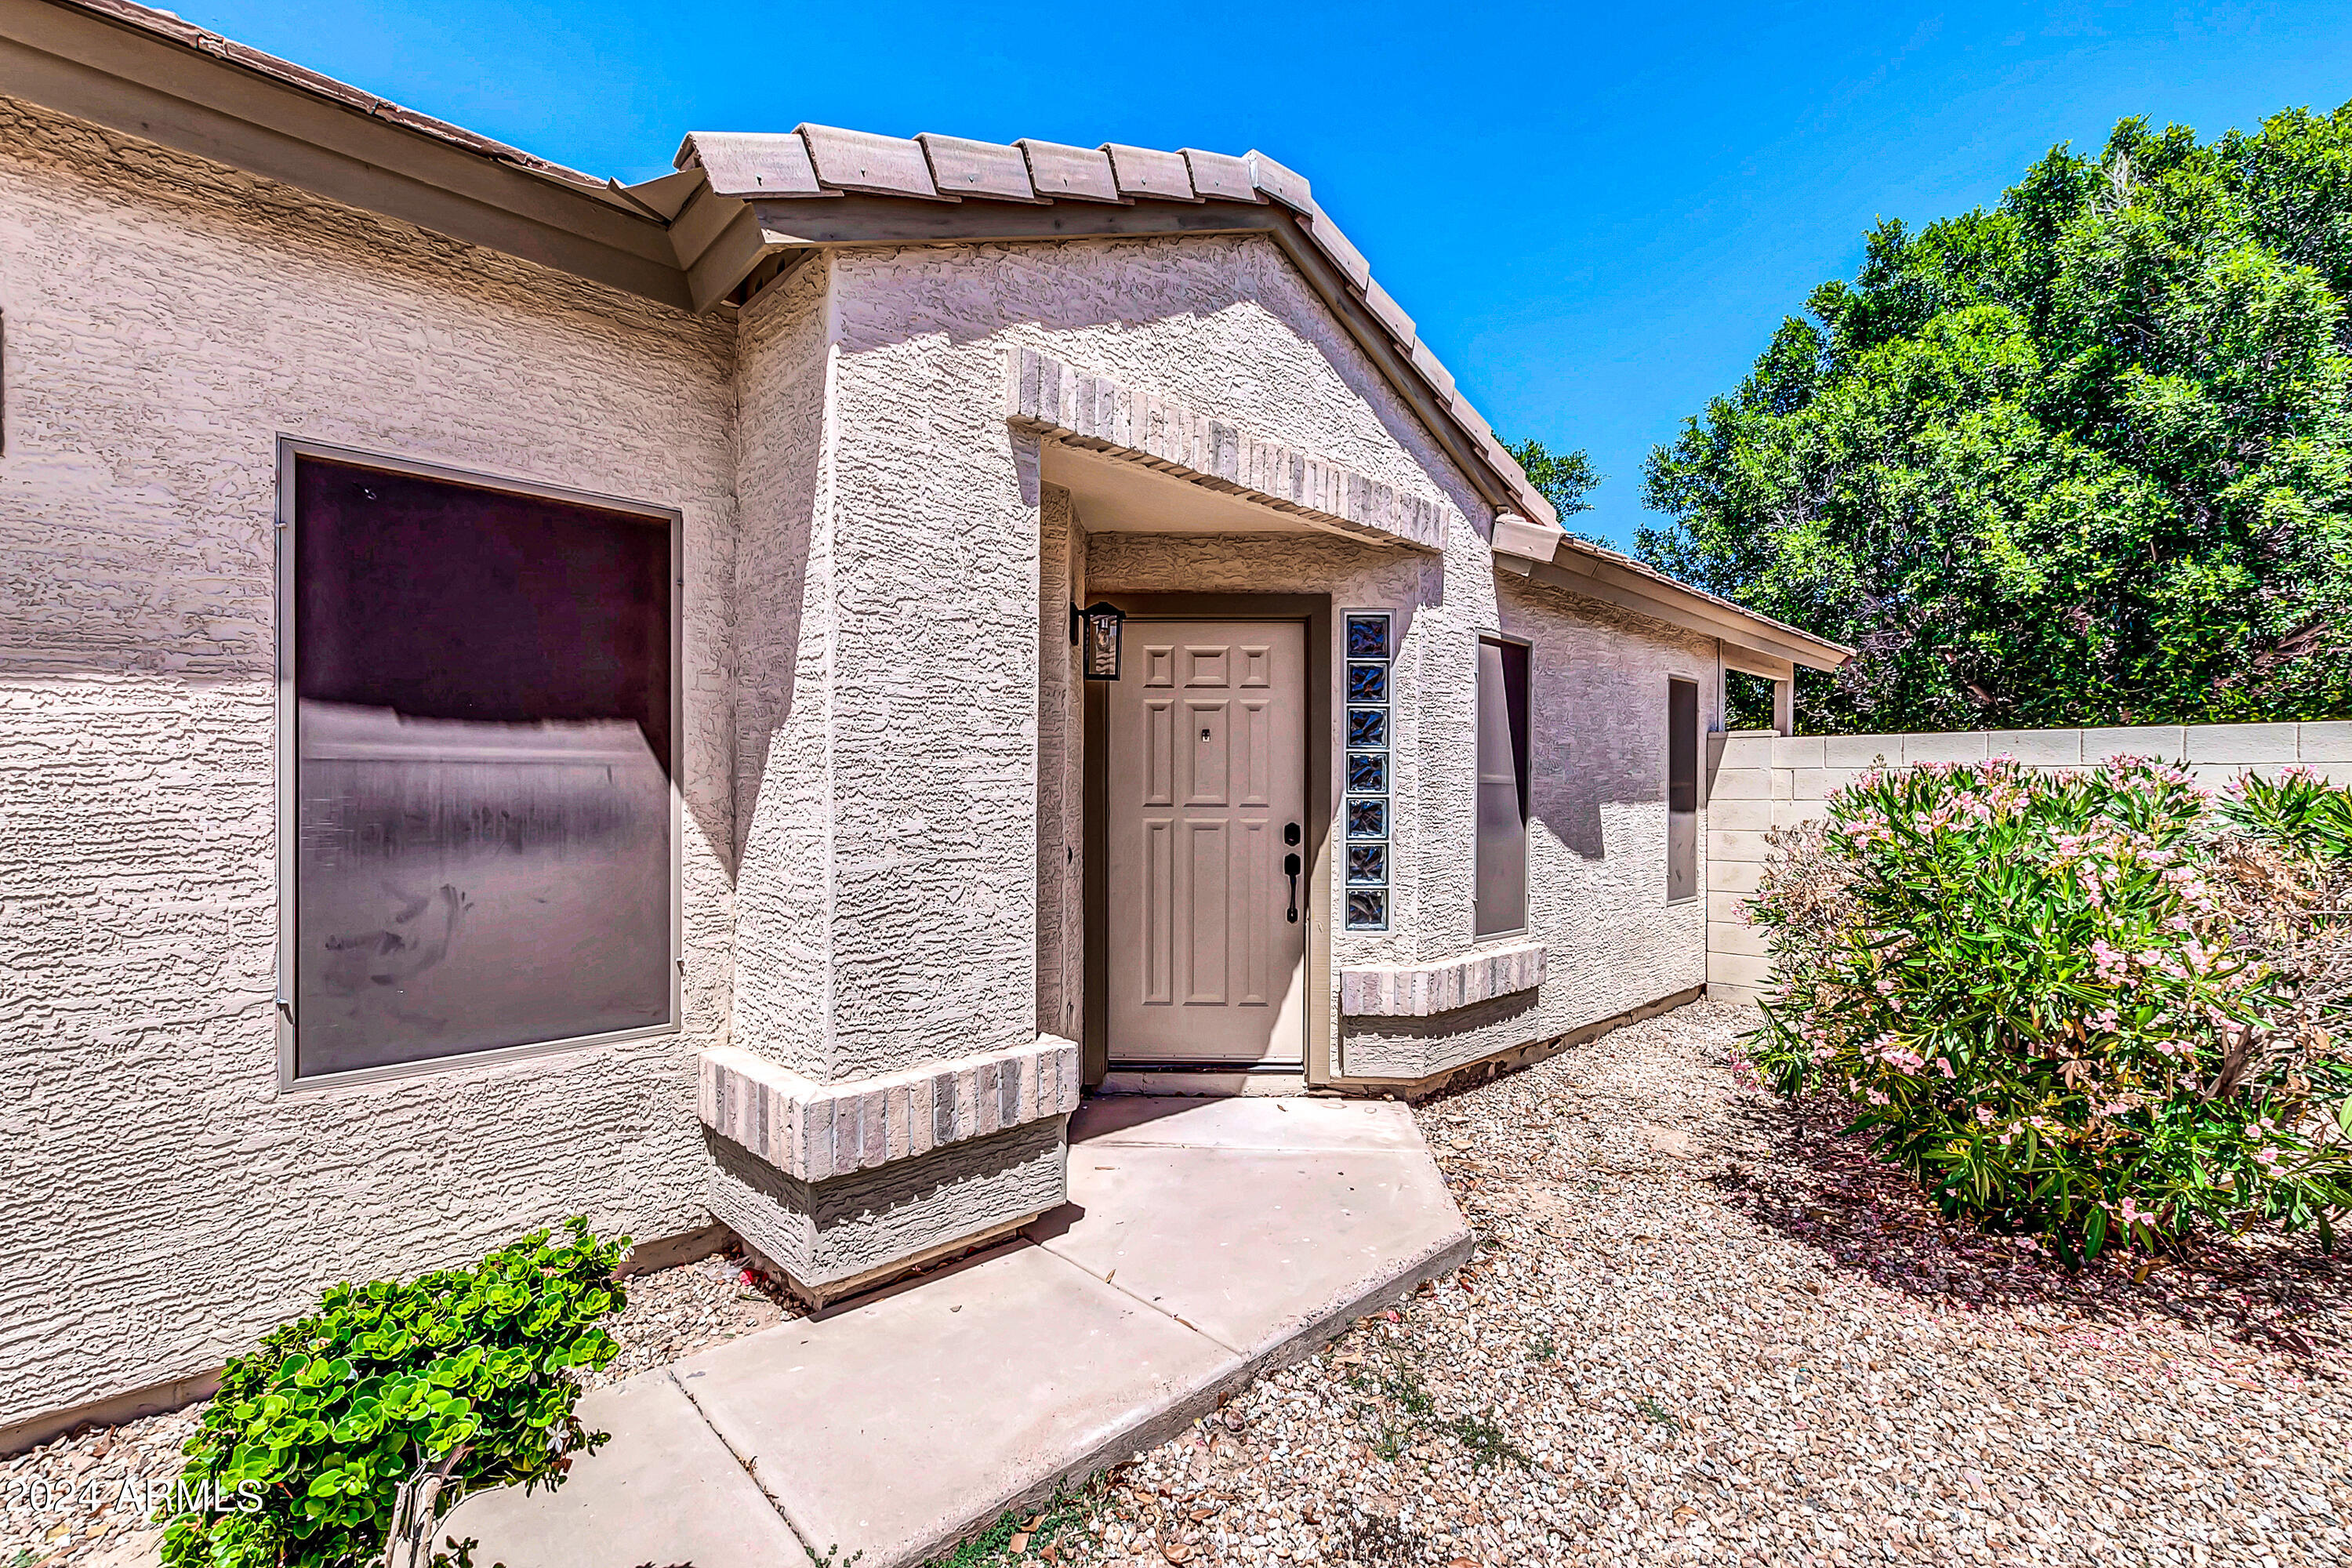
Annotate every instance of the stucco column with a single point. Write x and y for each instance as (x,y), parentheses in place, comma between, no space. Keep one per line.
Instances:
(887,1098)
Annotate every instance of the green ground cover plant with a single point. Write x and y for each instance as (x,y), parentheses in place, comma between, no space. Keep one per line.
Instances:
(371,1417)
(2088,1009)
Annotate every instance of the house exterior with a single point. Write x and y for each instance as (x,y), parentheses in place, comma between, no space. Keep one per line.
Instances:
(528,695)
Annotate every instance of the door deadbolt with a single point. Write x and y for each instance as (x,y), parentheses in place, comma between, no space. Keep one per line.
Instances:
(1290,834)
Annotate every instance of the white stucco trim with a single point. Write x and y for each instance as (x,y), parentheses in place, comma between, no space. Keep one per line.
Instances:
(1047,398)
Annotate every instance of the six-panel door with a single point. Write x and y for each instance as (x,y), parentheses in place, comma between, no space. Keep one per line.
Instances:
(1208,781)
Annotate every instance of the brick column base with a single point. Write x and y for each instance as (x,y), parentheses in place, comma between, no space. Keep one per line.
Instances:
(842,1186)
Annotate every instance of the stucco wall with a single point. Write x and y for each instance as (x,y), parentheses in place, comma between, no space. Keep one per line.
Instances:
(162,1201)
(785,612)
(1762,780)
(1061,756)
(964,778)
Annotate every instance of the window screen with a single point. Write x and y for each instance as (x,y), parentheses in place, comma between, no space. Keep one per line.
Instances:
(1501,903)
(482,754)
(1682,789)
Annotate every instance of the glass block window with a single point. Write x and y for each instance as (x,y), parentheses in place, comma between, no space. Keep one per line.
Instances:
(1369,638)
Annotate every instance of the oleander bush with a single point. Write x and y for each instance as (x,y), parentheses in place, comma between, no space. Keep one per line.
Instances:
(2086,1009)
(380,1411)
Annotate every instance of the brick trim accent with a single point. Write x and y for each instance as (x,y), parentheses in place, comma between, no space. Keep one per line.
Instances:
(1101,415)
(1419,989)
(815,1130)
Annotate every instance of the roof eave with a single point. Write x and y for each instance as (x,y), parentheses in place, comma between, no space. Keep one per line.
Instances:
(1587,569)
(151,75)
(676,239)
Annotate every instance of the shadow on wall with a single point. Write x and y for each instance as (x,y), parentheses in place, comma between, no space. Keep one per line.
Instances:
(770,576)
(1447,1025)
(1599,736)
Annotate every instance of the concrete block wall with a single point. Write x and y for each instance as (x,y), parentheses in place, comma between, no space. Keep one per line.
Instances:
(1760,781)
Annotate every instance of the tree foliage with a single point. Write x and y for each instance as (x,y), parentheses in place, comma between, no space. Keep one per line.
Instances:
(1564,478)
(2082,458)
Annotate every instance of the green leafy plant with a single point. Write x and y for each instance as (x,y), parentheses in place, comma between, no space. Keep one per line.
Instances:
(377,1414)
(2082,1007)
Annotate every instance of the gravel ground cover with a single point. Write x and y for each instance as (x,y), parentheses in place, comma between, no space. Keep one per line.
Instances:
(65,1503)
(1702,1326)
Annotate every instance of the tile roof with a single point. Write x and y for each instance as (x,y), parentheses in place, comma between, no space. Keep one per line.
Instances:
(819,161)
(939,173)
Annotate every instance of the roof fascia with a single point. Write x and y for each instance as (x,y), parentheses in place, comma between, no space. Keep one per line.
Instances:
(853,218)
(1690,612)
(127,78)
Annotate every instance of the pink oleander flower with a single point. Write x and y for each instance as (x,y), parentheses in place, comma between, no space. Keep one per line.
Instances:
(1984,1114)
(1878,1096)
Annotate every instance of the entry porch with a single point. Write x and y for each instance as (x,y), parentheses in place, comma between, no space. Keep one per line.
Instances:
(1205,1242)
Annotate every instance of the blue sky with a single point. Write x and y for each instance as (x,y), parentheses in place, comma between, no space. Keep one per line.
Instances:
(1597,214)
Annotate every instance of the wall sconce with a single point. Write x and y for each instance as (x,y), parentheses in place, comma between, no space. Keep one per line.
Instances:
(1097,631)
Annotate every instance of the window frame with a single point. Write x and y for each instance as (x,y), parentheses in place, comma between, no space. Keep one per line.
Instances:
(290,450)
(1383,887)
(1523,759)
(1696,739)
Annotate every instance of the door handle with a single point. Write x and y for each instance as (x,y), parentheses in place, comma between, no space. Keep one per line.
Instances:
(1291,866)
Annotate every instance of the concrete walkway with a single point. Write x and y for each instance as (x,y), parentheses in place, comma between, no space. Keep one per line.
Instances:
(1206,1241)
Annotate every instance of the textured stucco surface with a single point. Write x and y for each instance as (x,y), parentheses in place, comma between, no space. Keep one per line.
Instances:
(1061,759)
(786,590)
(162,1201)
(940,519)
(1137,426)
(882,731)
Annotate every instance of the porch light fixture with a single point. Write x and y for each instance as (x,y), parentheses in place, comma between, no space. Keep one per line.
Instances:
(1100,626)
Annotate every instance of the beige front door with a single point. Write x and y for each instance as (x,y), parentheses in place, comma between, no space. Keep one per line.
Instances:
(1208,791)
